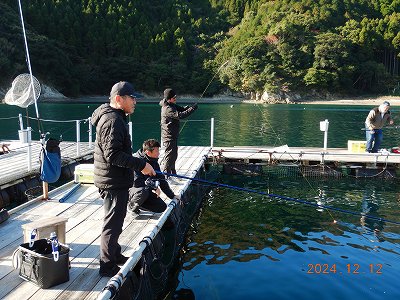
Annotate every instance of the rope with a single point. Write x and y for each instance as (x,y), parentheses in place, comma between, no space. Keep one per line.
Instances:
(275,196)
(57,121)
(9,118)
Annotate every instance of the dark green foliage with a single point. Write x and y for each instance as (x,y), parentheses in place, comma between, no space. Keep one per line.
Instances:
(84,46)
(327,45)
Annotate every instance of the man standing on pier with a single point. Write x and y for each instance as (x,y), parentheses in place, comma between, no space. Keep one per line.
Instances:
(113,170)
(171,113)
(374,123)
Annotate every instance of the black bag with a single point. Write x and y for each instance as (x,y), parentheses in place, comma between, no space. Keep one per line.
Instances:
(37,265)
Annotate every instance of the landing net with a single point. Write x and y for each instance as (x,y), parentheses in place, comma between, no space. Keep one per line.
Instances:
(24,91)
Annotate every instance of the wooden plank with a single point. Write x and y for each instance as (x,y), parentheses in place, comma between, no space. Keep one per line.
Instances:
(14,163)
(84,213)
(306,154)
(79,217)
(79,249)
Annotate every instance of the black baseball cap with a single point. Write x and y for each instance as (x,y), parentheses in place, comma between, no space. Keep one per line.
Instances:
(124,88)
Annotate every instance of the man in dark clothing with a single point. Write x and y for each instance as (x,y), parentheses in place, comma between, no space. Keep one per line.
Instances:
(171,113)
(113,170)
(145,192)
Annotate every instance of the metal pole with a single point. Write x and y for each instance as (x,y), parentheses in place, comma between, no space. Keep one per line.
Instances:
(326,134)
(78,137)
(130,131)
(212,132)
(28,56)
(21,122)
(29,149)
(90,132)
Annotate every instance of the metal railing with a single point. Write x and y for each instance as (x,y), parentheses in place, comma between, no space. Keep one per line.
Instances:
(25,135)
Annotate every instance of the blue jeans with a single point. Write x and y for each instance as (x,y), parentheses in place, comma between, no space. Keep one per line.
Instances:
(374,140)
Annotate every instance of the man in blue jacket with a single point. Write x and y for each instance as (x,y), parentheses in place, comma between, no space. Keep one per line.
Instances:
(113,170)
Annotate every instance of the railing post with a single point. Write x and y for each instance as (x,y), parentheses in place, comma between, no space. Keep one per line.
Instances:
(21,122)
(130,132)
(212,133)
(323,126)
(29,149)
(78,137)
(90,132)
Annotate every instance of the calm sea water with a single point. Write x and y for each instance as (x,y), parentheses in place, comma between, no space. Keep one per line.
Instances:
(249,246)
(242,124)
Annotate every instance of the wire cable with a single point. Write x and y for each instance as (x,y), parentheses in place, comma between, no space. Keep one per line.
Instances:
(275,196)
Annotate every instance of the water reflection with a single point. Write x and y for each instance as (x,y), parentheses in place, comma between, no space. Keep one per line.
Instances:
(253,233)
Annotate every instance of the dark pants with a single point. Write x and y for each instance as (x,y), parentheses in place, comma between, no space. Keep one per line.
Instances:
(146,199)
(115,206)
(170,156)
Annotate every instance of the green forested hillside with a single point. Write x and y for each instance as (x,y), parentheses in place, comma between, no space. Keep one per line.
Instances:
(348,46)
(84,46)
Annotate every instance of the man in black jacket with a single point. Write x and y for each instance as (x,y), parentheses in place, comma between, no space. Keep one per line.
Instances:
(171,113)
(113,170)
(145,191)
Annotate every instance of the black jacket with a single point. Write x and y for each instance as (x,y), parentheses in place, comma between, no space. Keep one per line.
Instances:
(139,178)
(170,115)
(113,160)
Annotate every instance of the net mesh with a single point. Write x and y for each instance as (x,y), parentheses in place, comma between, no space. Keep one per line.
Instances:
(21,93)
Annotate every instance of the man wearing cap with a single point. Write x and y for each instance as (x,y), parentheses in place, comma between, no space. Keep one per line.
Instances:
(171,113)
(374,123)
(113,170)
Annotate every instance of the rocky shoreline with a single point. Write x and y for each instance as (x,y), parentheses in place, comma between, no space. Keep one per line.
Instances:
(394,101)
(50,95)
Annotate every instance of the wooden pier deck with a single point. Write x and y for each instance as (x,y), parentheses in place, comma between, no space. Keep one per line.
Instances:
(84,212)
(268,155)
(14,165)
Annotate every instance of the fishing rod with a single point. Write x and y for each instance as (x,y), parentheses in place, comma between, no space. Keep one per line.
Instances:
(388,127)
(202,94)
(328,207)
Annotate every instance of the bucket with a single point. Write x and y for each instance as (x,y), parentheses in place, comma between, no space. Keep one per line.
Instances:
(25,135)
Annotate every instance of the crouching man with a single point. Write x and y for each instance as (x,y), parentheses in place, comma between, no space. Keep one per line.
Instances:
(145,192)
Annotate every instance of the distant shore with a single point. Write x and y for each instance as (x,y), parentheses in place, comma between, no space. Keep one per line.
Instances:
(393,100)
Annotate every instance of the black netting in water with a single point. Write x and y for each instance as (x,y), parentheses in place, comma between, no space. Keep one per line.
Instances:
(298,171)
(35,191)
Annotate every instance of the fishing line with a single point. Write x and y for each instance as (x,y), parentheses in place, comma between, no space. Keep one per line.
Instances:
(327,207)
(202,94)
(302,173)
(270,126)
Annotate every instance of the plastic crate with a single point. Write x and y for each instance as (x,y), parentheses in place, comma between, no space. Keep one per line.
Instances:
(84,173)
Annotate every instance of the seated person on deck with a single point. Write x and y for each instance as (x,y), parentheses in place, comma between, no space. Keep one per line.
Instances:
(144,194)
